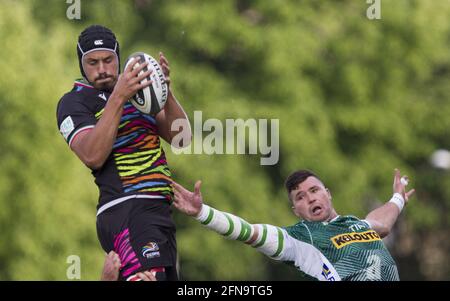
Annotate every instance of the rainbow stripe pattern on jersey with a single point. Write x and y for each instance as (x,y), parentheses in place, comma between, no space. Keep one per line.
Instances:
(138,155)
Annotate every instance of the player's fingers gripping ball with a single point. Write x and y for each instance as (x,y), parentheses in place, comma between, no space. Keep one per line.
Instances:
(151,99)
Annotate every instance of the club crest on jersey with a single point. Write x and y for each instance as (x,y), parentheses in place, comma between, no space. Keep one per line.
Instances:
(344,239)
(151,250)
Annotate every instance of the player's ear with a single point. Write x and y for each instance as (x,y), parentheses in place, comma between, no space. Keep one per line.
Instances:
(291,203)
(329,193)
(295,211)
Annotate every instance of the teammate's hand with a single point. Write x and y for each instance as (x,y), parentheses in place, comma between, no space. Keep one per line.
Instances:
(129,82)
(111,267)
(165,67)
(399,187)
(186,201)
(146,276)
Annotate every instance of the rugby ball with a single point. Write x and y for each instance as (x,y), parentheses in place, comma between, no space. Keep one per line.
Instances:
(151,99)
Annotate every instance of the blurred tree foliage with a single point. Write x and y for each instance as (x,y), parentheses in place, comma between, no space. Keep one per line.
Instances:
(355,98)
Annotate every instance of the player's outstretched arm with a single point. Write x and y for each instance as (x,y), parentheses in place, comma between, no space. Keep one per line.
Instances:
(269,240)
(383,218)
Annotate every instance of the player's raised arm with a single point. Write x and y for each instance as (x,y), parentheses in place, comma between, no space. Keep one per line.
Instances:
(94,146)
(383,218)
(173,120)
(269,240)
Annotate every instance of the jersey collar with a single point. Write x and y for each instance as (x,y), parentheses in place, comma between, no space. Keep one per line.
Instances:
(333,220)
(81,82)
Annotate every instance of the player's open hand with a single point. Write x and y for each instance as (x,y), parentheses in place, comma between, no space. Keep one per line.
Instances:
(186,201)
(400,184)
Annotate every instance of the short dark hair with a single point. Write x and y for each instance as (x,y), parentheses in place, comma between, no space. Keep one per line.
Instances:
(298,177)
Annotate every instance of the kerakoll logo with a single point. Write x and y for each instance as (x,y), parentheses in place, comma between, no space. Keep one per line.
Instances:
(344,239)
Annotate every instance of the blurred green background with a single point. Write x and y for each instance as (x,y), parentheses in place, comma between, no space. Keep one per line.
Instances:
(355,98)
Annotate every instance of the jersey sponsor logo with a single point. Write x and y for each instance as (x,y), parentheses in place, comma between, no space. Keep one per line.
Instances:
(357,227)
(151,250)
(344,239)
(66,127)
(326,273)
(102,96)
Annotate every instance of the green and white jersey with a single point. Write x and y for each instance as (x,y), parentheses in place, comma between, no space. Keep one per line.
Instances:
(342,249)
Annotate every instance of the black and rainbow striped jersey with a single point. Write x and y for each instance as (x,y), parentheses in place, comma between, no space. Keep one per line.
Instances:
(137,164)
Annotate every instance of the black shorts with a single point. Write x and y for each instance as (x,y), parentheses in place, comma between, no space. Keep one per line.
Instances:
(142,232)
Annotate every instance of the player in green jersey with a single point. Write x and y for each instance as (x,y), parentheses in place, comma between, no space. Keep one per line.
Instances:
(323,245)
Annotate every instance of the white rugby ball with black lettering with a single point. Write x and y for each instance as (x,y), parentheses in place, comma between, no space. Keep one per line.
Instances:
(151,99)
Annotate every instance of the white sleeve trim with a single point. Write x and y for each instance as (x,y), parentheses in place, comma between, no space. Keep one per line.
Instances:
(368,223)
(78,131)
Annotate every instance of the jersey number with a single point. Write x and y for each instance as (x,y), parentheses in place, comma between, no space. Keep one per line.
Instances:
(374,270)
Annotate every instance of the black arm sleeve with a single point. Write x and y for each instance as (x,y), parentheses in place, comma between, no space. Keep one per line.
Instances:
(73,116)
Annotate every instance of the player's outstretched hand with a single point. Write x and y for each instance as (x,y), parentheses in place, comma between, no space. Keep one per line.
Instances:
(186,201)
(400,184)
